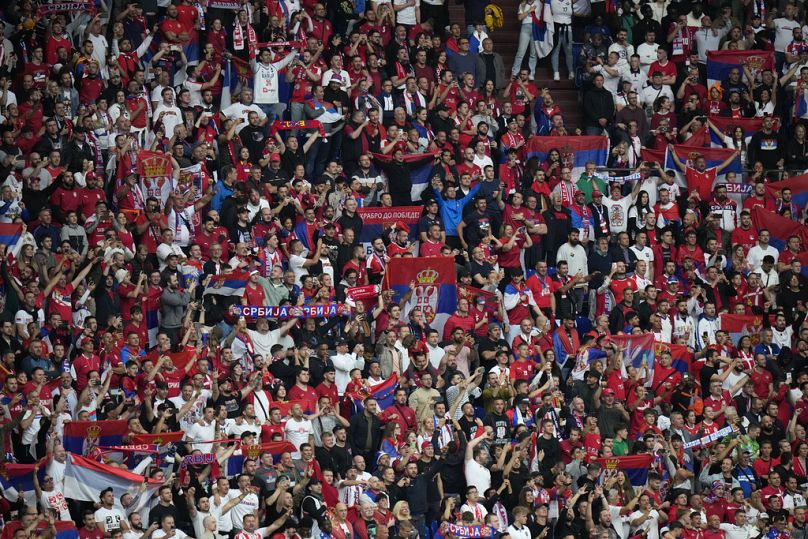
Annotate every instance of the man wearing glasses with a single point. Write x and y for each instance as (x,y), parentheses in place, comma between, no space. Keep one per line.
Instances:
(50,496)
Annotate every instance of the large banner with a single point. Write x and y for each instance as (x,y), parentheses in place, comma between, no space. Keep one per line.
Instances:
(156,174)
(719,63)
(435,291)
(376,220)
(575,152)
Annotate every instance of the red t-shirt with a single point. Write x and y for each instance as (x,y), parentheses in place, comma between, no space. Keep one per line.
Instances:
(702,182)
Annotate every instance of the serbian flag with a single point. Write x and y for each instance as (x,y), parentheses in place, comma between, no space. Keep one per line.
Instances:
(491,299)
(16,478)
(376,220)
(178,359)
(798,186)
(10,234)
(309,407)
(780,228)
(653,156)
(739,325)
(235,464)
(305,231)
(65,529)
(86,478)
(543,29)
(636,350)
(635,467)
(420,166)
(151,315)
(383,393)
(713,157)
(435,286)
(228,284)
(82,436)
(727,125)
(575,151)
(682,357)
(719,63)
(157,439)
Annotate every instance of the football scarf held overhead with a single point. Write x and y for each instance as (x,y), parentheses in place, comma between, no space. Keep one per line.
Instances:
(284,312)
(469,532)
(65,7)
(285,125)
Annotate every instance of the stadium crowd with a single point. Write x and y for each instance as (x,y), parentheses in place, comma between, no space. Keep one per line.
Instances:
(170,168)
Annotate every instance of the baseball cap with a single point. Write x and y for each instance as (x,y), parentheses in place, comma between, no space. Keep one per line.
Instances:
(274,157)
(596,193)
(608,391)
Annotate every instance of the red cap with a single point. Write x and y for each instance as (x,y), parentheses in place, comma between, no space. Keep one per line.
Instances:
(402,226)
(608,391)
(424,445)
(275,157)
(596,193)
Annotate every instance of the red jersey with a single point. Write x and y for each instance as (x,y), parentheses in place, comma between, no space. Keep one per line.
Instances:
(701,182)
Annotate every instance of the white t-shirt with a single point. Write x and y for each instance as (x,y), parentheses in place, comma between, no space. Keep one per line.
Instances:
(477,475)
(756,254)
(784,33)
(522,533)
(296,265)
(298,432)
(195,90)
(180,223)
(406,15)
(177,534)
(651,525)
(618,213)
(739,532)
(248,505)
(239,110)
(527,8)
(562,11)
(55,499)
(172,117)
(204,432)
(56,470)
(110,518)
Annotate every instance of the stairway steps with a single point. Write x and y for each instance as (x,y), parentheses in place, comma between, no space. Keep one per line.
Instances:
(506,42)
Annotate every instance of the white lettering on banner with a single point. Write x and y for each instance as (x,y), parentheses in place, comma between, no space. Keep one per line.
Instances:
(287,311)
(738,188)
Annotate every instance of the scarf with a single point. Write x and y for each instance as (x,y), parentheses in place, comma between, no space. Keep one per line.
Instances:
(569,341)
(199,459)
(301,124)
(238,39)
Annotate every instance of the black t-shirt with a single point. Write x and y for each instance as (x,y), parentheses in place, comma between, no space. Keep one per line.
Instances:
(469,427)
(232,404)
(490,345)
(501,426)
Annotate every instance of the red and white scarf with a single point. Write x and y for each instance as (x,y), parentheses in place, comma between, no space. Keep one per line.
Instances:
(238,38)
